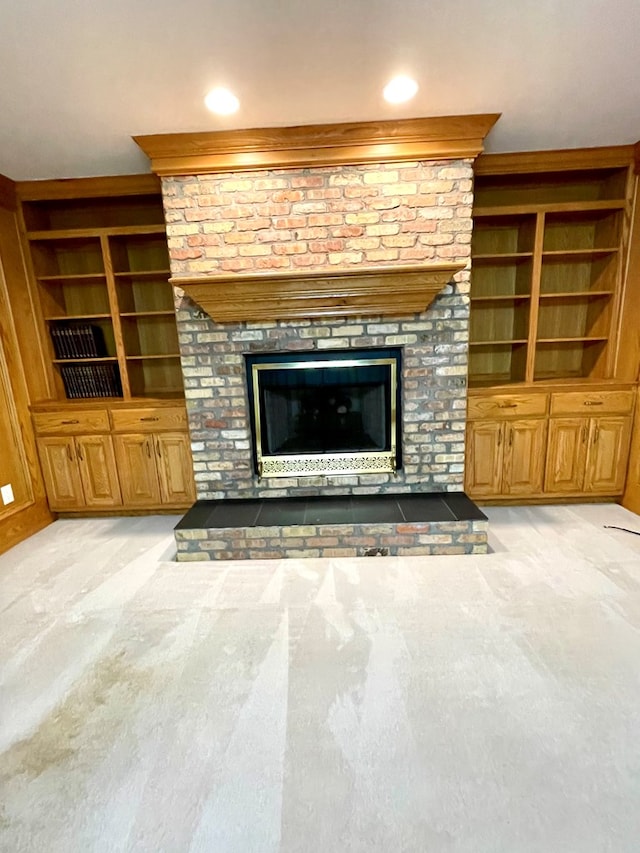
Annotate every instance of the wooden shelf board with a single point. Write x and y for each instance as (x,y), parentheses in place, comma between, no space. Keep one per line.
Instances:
(580,340)
(57,317)
(577,254)
(577,294)
(511,297)
(155,356)
(109,358)
(550,207)
(502,258)
(141,273)
(513,341)
(167,313)
(107,231)
(76,278)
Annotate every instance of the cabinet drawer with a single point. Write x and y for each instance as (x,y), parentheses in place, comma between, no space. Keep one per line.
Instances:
(72,422)
(149,420)
(507,406)
(592,403)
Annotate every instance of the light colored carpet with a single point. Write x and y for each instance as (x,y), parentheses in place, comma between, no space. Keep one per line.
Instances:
(480,704)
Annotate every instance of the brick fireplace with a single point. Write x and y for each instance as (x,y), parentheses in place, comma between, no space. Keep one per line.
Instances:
(332,221)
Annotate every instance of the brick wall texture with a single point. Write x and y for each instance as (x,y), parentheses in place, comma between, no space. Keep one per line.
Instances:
(324,218)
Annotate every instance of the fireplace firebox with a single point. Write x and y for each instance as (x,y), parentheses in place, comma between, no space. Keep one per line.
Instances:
(325,413)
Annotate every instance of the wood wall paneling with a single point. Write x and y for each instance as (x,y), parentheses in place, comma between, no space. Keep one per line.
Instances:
(20,372)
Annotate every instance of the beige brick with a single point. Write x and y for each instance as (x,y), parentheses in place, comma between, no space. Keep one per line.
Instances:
(381,177)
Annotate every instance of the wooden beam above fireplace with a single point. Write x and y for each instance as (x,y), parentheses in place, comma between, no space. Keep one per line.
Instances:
(437,138)
(398,290)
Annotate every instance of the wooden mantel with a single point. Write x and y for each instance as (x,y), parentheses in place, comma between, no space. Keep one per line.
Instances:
(437,138)
(385,291)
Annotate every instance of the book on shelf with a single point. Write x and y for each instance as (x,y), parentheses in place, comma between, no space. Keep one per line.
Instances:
(91,380)
(77,340)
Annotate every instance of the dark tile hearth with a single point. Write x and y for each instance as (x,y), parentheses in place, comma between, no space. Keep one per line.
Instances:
(347,526)
(350,509)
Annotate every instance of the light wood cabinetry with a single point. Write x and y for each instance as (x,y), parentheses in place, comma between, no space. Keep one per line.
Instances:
(506,457)
(98,254)
(80,472)
(552,335)
(562,450)
(548,252)
(155,461)
(92,461)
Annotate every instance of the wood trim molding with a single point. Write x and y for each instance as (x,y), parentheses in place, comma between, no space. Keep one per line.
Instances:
(290,296)
(443,137)
(72,188)
(553,161)
(8,196)
(636,157)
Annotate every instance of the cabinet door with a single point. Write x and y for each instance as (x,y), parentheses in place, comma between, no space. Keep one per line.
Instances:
(60,471)
(175,470)
(566,455)
(607,456)
(484,458)
(98,471)
(136,457)
(524,457)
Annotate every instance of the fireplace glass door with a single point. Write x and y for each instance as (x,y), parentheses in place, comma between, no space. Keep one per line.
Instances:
(325,413)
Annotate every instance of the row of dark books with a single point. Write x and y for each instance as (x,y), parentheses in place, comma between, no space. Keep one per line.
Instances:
(80,340)
(91,380)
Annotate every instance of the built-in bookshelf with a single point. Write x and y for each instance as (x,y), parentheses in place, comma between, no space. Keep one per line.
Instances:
(547,251)
(100,267)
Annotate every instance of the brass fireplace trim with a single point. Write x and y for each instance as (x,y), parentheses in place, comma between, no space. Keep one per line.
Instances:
(389,290)
(326,464)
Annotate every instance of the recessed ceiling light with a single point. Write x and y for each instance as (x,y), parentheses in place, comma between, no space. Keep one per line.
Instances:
(222,101)
(400,89)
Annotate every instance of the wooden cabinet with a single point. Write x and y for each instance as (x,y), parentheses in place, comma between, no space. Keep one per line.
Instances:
(572,443)
(547,259)
(79,472)
(155,469)
(154,455)
(99,267)
(93,460)
(587,455)
(505,457)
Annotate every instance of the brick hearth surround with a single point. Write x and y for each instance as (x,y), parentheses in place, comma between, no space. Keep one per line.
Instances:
(326,218)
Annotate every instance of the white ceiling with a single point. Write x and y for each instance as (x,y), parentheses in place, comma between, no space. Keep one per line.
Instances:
(80,77)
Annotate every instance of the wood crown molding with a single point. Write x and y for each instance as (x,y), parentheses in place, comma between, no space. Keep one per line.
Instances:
(325,294)
(72,188)
(443,137)
(553,161)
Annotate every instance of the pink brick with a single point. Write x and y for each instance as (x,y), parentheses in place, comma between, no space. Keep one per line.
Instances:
(253,224)
(290,248)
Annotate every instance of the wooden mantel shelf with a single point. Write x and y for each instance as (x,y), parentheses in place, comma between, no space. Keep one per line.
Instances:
(435,138)
(348,293)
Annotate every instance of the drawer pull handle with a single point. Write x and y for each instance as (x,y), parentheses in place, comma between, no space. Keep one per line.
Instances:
(593,402)
(149,419)
(508,405)
(73,421)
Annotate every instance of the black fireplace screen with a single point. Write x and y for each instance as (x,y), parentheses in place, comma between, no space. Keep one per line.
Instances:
(322,413)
